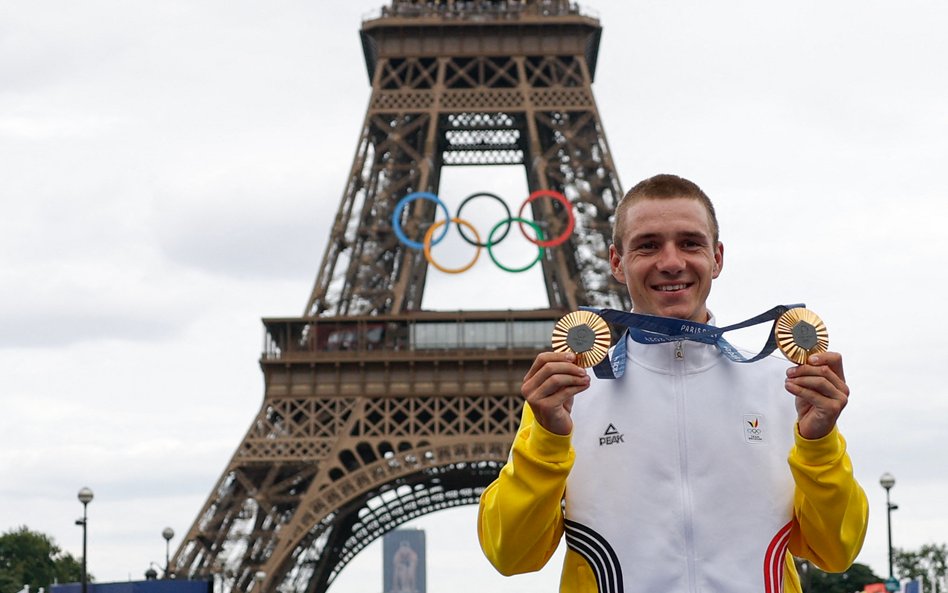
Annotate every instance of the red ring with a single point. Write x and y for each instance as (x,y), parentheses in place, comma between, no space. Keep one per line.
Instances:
(548,193)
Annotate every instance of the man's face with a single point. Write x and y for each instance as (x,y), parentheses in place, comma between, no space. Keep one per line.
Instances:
(668,257)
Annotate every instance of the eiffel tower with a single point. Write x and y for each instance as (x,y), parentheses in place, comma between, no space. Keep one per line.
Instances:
(375,411)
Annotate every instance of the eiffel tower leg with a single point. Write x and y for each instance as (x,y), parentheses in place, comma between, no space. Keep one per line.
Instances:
(359,272)
(568,153)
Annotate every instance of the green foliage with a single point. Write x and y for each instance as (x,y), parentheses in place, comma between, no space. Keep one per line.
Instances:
(32,558)
(930,562)
(815,580)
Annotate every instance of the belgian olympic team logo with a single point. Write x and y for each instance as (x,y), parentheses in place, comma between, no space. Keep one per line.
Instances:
(493,238)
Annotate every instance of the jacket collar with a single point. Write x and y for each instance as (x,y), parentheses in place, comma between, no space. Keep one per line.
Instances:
(674,357)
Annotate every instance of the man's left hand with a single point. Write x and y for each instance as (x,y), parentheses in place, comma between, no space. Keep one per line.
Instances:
(821,393)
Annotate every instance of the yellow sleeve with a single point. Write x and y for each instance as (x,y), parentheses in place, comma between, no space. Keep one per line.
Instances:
(830,509)
(520,519)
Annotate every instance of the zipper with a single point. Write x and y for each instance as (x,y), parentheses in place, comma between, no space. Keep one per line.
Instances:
(687,503)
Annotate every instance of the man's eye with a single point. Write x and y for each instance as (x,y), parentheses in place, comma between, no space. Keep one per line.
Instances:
(647,246)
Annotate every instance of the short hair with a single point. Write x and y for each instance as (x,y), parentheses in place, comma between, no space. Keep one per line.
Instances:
(662,187)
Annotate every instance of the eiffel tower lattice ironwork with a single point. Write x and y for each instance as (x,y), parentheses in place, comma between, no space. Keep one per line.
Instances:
(375,411)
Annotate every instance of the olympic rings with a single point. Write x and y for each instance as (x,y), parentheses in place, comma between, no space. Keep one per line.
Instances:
(477,253)
(397,214)
(546,193)
(522,221)
(430,240)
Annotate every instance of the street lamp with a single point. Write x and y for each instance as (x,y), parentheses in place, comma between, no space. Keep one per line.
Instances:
(85,497)
(887,481)
(167,533)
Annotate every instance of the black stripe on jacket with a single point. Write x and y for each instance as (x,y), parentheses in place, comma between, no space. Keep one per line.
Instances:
(598,553)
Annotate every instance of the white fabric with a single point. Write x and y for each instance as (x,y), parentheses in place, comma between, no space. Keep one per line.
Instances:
(682,487)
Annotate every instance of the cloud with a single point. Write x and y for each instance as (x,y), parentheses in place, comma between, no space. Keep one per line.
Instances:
(257,230)
(81,297)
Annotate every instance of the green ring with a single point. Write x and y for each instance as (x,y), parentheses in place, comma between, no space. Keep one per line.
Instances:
(490,243)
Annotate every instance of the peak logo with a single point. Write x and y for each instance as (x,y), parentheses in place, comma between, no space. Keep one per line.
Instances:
(611,436)
(753,428)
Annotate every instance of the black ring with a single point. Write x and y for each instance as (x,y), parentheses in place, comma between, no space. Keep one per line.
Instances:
(461,229)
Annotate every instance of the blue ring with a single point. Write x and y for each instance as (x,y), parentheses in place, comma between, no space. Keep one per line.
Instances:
(397,226)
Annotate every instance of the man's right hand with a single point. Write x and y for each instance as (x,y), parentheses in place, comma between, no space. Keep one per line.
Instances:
(549,387)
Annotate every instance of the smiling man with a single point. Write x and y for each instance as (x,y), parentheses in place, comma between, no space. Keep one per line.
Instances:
(691,472)
(666,251)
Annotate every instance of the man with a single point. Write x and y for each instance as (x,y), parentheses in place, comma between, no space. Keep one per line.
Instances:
(675,477)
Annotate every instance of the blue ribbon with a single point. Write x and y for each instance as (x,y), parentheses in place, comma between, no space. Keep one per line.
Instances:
(651,329)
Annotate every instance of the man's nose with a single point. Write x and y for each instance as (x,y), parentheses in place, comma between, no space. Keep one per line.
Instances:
(670,259)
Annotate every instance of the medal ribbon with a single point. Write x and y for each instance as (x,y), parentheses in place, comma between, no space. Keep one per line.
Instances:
(651,329)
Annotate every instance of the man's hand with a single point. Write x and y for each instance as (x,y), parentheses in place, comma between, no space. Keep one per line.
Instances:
(821,393)
(549,387)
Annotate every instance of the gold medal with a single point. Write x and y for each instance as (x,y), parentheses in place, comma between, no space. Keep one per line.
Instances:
(800,333)
(585,334)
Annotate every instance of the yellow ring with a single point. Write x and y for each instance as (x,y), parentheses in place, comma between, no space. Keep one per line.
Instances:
(431,261)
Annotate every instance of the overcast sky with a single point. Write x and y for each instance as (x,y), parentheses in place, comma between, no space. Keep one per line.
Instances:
(169,171)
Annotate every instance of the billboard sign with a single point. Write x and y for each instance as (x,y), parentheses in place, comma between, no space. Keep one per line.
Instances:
(403,557)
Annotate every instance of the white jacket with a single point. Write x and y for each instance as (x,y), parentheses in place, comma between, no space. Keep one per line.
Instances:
(681,478)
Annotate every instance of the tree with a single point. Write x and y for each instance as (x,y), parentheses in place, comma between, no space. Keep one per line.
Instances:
(32,558)
(930,562)
(815,580)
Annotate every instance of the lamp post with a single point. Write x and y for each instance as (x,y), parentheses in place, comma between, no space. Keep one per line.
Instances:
(167,533)
(887,481)
(85,497)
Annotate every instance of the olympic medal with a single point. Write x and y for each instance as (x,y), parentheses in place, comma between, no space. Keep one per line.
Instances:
(800,333)
(585,334)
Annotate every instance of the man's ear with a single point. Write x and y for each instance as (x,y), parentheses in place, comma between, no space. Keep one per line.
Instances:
(718,260)
(615,264)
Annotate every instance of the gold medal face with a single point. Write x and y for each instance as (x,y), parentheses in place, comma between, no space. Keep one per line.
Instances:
(800,333)
(585,334)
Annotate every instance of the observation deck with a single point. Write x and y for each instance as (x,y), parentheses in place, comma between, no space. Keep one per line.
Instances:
(477,334)
(460,28)
(473,353)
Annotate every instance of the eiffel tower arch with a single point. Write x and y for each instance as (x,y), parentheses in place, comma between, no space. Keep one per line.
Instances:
(375,411)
